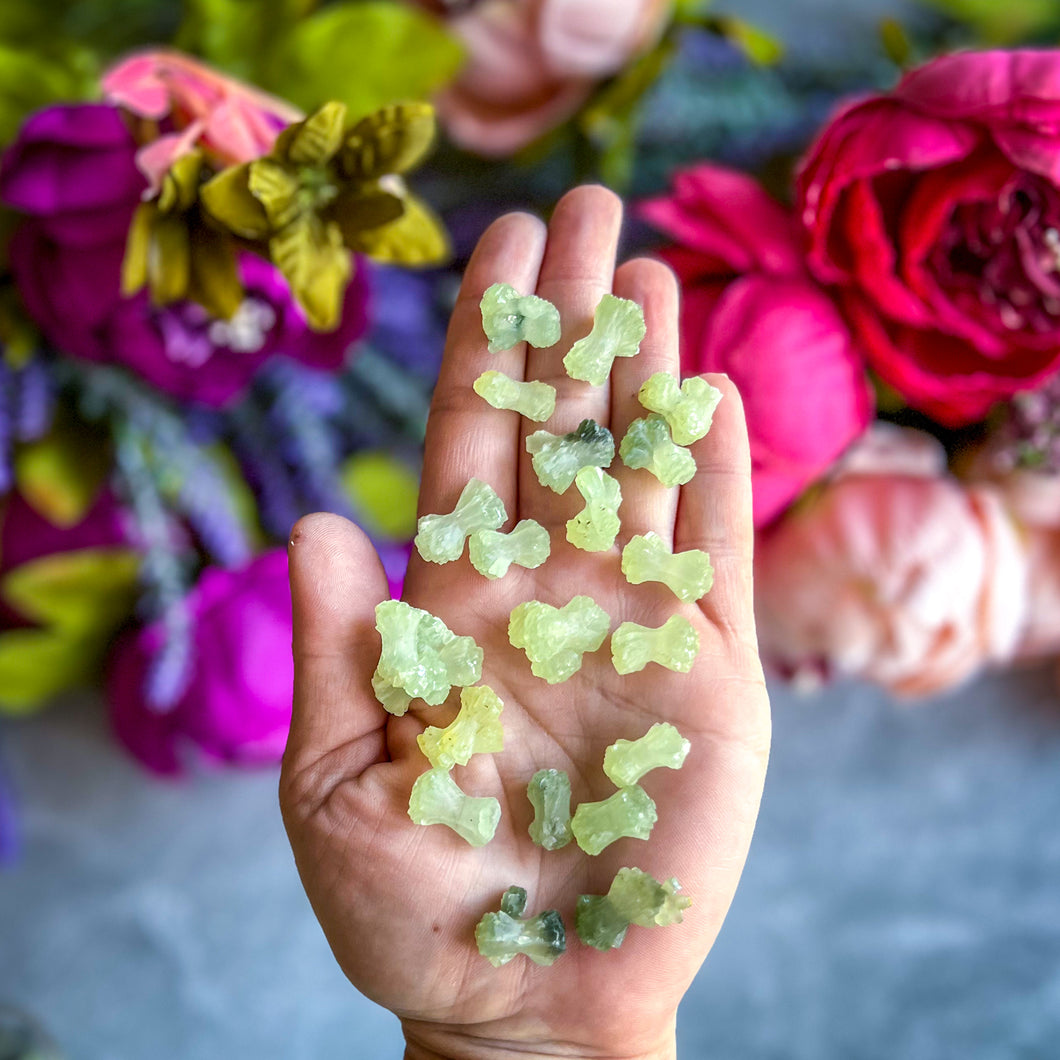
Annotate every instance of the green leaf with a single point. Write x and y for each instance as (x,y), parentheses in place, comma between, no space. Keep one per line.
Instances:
(367,55)
(758,45)
(356,211)
(1002,21)
(215,282)
(276,188)
(227,198)
(392,140)
(169,259)
(316,266)
(315,141)
(137,249)
(384,493)
(61,474)
(87,592)
(38,664)
(417,238)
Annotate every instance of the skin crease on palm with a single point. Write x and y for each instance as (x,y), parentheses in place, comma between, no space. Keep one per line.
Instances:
(399,902)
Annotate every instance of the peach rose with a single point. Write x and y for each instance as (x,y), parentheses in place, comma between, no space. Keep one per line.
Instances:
(532,63)
(903,577)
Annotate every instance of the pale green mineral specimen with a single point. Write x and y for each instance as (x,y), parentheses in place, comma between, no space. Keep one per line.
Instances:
(440,538)
(648,444)
(595,527)
(475,730)
(509,317)
(635,897)
(629,813)
(421,657)
(626,761)
(618,329)
(437,799)
(688,575)
(534,400)
(688,408)
(549,794)
(493,552)
(501,936)
(557,458)
(555,638)
(673,645)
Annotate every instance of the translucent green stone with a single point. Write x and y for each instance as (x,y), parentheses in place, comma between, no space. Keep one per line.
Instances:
(549,794)
(618,329)
(421,657)
(509,318)
(688,408)
(595,527)
(437,799)
(555,638)
(440,538)
(534,400)
(493,552)
(501,936)
(475,730)
(626,761)
(648,444)
(557,458)
(673,645)
(688,575)
(635,897)
(628,814)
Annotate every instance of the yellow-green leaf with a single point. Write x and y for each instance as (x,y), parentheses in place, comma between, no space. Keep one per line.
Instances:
(392,140)
(38,664)
(228,199)
(276,188)
(169,259)
(180,185)
(356,210)
(315,141)
(215,283)
(417,238)
(384,492)
(89,591)
(316,266)
(137,249)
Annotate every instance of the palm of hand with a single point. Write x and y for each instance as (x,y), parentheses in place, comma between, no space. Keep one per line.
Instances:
(398,902)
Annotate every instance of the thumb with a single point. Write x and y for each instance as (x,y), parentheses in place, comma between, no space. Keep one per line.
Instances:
(336,582)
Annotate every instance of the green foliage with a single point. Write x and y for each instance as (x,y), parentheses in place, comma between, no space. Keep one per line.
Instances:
(994,22)
(384,492)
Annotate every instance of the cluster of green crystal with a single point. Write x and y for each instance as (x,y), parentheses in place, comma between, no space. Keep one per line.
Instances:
(628,814)
(534,400)
(688,574)
(618,329)
(421,657)
(662,746)
(475,730)
(688,408)
(437,799)
(501,936)
(635,897)
(557,458)
(673,645)
(648,444)
(492,552)
(509,318)
(555,638)
(440,538)
(549,794)
(595,527)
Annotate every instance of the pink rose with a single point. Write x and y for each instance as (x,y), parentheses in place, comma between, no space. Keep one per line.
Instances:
(936,210)
(750,310)
(237,706)
(908,580)
(199,106)
(532,63)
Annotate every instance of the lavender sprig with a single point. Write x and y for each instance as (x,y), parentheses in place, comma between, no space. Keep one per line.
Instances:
(34,400)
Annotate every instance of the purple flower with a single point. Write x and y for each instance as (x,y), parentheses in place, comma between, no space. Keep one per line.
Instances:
(72,172)
(237,706)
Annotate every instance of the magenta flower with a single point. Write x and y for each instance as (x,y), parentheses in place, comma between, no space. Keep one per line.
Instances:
(237,706)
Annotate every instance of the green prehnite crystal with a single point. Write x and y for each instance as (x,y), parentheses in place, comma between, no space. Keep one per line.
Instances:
(475,730)
(687,407)
(557,458)
(648,444)
(618,329)
(440,538)
(555,638)
(493,552)
(509,318)
(501,936)
(421,658)
(673,645)
(688,575)
(534,400)
(595,527)
(635,897)
(628,814)
(626,761)
(437,799)
(549,794)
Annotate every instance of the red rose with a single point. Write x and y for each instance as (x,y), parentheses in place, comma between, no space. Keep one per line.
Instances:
(936,209)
